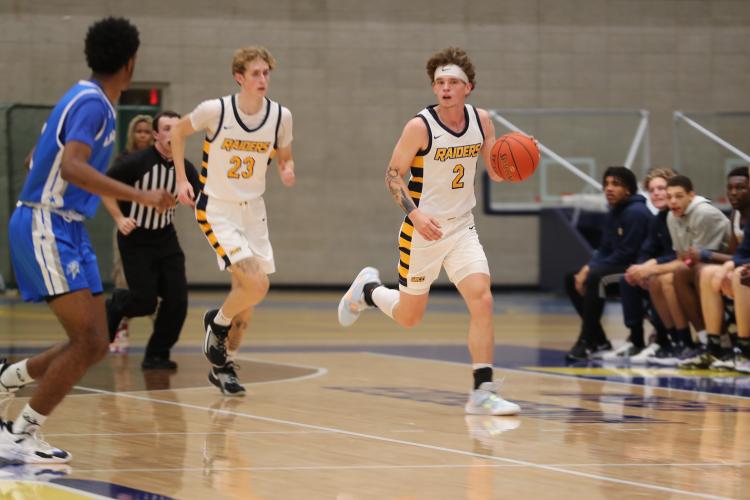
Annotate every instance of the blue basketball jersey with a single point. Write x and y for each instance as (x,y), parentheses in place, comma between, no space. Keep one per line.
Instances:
(83,114)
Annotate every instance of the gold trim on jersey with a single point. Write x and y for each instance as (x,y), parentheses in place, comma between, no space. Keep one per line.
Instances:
(204,163)
(208,232)
(404,249)
(416,181)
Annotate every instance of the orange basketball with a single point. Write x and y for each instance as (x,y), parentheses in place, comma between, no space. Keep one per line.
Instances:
(514,157)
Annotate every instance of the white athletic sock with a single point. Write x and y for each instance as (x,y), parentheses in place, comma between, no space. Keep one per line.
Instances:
(386,299)
(16,375)
(222,320)
(231,354)
(28,421)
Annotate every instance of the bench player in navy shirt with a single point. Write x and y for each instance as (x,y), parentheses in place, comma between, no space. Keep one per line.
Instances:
(52,256)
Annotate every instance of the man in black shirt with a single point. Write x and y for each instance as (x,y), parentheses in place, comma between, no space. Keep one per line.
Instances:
(152,259)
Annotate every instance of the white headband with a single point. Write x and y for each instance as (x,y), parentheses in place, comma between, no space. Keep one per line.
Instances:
(451,70)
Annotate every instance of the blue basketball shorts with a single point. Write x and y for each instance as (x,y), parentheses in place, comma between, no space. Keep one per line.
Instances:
(51,255)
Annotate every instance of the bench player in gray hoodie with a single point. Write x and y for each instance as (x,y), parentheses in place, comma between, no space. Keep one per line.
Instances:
(692,222)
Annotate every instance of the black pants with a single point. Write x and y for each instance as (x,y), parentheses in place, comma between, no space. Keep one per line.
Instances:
(636,304)
(590,305)
(154,267)
(635,300)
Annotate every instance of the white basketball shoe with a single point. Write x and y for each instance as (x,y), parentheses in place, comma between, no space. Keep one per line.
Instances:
(7,390)
(647,353)
(486,401)
(353,301)
(28,448)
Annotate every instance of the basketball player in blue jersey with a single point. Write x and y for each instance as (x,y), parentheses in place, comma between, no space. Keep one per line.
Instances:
(244,132)
(440,148)
(50,250)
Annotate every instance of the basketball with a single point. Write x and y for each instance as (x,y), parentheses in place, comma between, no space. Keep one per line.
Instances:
(514,157)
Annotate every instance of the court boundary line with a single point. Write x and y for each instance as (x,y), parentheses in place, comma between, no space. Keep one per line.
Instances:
(384,466)
(411,443)
(207,433)
(562,375)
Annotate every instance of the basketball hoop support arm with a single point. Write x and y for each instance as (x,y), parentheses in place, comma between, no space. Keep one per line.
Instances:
(562,161)
(637,140)
(679,115)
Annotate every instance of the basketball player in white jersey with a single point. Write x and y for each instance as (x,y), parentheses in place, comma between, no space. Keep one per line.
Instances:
(244,132)
(440,148)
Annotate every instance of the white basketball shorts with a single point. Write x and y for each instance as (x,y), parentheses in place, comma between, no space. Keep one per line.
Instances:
(459,251)
(236,230)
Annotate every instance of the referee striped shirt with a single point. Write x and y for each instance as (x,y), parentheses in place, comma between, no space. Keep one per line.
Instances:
(147,169)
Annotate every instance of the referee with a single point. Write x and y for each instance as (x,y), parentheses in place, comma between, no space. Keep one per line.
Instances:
(152,259)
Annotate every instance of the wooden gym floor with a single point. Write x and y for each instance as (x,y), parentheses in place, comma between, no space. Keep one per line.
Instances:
(375,411)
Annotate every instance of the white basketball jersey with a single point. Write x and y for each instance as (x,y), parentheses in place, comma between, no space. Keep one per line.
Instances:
(442,175)
(236,157)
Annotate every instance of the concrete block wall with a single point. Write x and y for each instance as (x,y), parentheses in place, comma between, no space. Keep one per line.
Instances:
(352,74)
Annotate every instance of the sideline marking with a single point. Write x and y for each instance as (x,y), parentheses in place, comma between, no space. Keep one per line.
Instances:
(383,466)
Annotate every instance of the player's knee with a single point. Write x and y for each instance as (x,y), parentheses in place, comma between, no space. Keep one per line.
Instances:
(99,349)
(666,280)
(256,287)
(481,305)
(93,346)
(262,284)
(411,319)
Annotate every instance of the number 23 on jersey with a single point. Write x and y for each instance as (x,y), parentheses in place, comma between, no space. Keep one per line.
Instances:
(242,168)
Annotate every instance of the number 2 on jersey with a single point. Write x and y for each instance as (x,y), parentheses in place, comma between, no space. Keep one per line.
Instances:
(457,182)
(237,164)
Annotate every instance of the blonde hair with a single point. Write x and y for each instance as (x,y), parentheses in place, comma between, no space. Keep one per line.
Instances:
(665,173)
(130,141)
(247,54)
(451,55)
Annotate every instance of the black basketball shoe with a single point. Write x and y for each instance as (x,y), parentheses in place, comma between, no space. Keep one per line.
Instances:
(215,344)
(225,378)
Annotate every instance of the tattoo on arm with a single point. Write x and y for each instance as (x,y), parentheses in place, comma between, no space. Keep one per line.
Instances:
(399,190)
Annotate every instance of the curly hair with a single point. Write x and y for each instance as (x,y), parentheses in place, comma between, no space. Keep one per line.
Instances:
(130,141)
(110,44)
(665,173)
(451,55)
(247,54)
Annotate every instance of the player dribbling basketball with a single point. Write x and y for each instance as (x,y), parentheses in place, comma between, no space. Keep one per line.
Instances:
(440,148)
